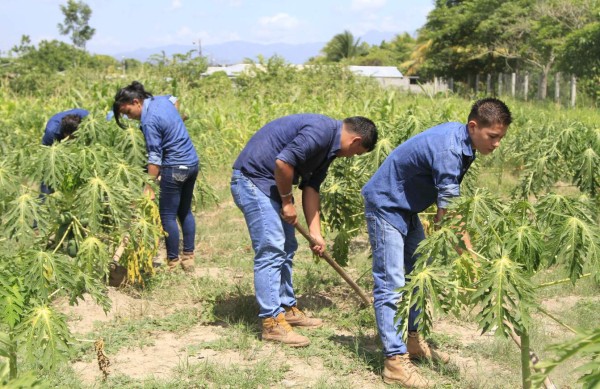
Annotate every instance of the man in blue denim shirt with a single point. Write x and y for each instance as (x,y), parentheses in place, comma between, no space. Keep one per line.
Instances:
(426,169)
(290,150)
(171,155)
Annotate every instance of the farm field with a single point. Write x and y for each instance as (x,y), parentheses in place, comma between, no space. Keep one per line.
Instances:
(201,330)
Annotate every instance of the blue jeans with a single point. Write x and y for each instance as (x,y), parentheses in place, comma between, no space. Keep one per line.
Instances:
(393,259)
(274,244)
(176,193)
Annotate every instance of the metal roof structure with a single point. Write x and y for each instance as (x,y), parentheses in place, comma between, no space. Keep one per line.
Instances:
(377,71)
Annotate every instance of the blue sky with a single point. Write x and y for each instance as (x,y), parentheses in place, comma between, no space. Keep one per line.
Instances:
(123,25)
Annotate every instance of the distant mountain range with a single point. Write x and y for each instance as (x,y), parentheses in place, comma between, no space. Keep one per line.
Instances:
(236,51)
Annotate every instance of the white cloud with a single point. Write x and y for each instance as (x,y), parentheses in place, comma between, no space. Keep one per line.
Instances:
(184,31)
(185,35)
(176,4)
(373,22)
(281,21)
(363,5)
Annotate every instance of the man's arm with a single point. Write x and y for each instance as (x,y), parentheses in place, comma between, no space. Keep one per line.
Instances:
(311,202)
(464,236)
(284,177)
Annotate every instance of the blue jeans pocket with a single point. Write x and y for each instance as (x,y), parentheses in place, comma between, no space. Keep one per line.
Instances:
(372,229)
(179,176)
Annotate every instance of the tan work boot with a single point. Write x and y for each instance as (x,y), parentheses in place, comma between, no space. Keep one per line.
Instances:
(187,262)
(173,264)
(276,329)
(297,318)
(398,369)
(419,349)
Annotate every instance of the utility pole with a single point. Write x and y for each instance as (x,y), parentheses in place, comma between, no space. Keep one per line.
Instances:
(199,47)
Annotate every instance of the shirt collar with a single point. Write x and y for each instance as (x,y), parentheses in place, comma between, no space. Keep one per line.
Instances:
(337,141)
(145,106)
(467,144)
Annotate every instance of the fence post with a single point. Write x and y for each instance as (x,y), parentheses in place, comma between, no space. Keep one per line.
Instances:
(488,85)
(477,83)
(451,84)
(526,85)
(513,84)
(499,84)
(557,88)
(435,85)
(573,90)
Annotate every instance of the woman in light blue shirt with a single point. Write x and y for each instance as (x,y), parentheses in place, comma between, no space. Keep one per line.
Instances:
(172,156)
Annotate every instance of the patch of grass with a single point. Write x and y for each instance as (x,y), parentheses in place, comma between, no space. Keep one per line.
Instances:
(128,333)
(584,315)
(239,337)
(63,377)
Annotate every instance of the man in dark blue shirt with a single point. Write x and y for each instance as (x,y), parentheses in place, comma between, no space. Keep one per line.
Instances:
(295,149)
(426,169)
(62,125)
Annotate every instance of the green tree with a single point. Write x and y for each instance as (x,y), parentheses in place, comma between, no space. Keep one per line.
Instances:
(343,46)
(390,53)
(77,17)
(24,47)
(488,36)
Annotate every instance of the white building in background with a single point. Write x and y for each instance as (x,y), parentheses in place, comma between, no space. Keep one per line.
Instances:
(387,76)
(232,71)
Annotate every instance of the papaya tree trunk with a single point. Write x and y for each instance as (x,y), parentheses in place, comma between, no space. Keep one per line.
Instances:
(525,366)
(12,357)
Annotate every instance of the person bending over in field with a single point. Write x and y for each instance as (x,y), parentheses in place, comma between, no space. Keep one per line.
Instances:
(428,168)
(171,155)
(61,126)
(288,150)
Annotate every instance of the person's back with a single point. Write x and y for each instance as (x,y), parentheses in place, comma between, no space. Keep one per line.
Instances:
(56,126)
(286,138)
(415,173)
(165,132)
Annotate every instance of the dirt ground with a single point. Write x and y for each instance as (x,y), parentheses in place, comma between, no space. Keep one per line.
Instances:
(168,351)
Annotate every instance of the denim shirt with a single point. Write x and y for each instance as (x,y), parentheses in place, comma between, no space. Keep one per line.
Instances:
(52,131)
(167,140)
(426,169)
(308,142)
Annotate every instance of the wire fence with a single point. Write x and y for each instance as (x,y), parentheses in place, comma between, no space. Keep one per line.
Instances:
(558,87)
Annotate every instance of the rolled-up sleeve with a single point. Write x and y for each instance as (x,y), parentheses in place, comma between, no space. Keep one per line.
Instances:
(446,172)
(49,137)
(153,137)
(305,145)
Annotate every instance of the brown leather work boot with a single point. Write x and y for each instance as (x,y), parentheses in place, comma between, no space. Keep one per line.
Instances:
(419,349)
(297,318)
(276,329)
(398,369)
(173,264)
(187,262)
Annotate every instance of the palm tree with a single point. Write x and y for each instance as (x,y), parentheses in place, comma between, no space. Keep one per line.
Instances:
(342,46)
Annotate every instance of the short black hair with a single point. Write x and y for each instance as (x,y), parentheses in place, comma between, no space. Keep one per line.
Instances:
(489,111)
(365,128)
(69,124)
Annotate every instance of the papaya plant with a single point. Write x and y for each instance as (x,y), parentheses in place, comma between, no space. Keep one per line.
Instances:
(512,241)
(62,243)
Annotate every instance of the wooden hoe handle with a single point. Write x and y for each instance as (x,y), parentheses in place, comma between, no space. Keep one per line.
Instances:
(336,267)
